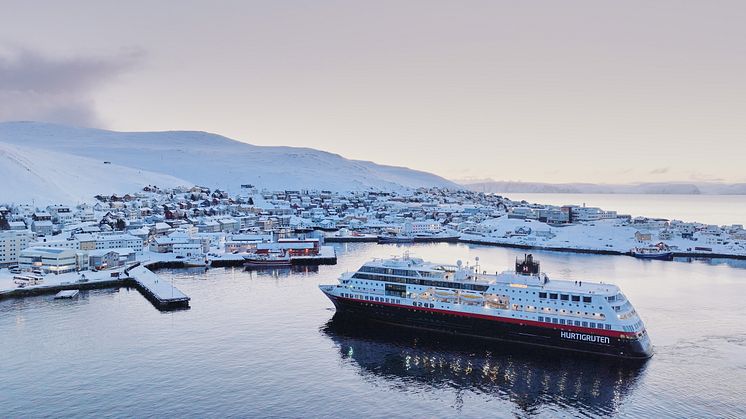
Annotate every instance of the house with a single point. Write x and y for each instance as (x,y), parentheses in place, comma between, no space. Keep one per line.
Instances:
(166,244)
(161,228)
(643,236)
(189,250)
(209,226)
(110,258)
(419,227)
(294,247)
(102,259)
(42,227)
(17,225)
(229,225)
(242,243)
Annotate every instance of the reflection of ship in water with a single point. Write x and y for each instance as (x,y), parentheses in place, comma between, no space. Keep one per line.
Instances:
(532,378)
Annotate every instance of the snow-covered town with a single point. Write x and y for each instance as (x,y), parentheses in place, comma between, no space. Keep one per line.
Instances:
(198,226)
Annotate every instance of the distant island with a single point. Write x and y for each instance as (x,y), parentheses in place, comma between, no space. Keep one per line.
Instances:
(658,188)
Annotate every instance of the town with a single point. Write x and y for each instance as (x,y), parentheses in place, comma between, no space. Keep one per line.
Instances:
(198,226)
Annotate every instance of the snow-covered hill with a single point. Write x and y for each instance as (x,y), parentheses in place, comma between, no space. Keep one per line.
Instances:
(45,177)
(174,157)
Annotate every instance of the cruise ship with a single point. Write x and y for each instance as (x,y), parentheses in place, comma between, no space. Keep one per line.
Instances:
(523,305)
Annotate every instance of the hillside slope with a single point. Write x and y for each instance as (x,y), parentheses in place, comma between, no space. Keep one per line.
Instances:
(45,177)
(213,160)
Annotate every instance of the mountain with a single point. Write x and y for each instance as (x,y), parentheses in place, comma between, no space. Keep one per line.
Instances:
(42,160)
(659,188)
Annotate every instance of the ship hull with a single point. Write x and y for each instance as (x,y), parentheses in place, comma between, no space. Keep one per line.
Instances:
(267,264)
(654,256)
(457,324)
(394,240)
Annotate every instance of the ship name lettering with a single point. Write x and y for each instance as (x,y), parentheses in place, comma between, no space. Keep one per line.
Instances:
(584,337)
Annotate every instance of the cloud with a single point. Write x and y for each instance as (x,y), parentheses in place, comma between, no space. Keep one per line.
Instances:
(660,171)
(42,88)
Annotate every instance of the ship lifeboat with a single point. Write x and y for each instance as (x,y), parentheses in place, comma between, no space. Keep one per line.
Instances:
(445,293)
(470,296)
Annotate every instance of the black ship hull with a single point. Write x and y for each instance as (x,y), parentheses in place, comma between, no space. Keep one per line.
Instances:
(462,324)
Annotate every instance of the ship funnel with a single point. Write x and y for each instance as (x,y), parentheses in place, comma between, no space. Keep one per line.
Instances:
(527,266)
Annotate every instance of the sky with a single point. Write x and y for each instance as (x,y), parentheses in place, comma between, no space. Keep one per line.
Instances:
(541,91)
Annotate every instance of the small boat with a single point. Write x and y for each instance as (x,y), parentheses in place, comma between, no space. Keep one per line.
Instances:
(436,237)
(66,294)
(267,261)
(395,238)
(652,252)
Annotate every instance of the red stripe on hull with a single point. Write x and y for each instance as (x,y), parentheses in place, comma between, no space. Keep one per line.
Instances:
(553,326)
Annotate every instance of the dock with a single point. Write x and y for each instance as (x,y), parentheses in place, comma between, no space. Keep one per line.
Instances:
(66,294)
(163,294)
(327,256)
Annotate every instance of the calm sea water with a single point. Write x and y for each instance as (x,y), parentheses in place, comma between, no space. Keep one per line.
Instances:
(267,344)
(710,209)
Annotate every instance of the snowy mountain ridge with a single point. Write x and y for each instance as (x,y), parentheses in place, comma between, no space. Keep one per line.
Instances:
(68,162)
(655,188)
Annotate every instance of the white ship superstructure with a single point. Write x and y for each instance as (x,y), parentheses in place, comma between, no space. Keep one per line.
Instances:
(522,305)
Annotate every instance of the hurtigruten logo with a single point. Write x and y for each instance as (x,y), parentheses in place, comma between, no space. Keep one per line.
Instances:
(584,337)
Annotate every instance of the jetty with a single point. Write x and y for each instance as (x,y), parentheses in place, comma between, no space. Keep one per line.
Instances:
(162,294)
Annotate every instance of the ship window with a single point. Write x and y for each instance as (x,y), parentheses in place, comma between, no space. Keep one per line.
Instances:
(586,299)
(576,298)
(562,321)
(608,327)
(599,326)
(553,296)
(541,318)
(577,323)
(542,295)
(564,297)
(585,324)
(554,320)
(593,325)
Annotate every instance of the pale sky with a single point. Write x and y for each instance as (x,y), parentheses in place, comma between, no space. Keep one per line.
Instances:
(547,91)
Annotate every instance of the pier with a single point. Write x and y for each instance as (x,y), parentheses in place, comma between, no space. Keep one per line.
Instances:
(162,294)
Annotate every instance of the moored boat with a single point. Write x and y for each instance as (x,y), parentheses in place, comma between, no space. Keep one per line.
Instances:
(267,261)
(395,238)
(652,252)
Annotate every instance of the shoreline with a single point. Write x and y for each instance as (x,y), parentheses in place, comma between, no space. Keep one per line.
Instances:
(599,251)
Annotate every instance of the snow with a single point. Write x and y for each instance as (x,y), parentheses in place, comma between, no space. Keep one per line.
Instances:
(45,177)
(603,235)
(62,160)
(51,280)
(161,289)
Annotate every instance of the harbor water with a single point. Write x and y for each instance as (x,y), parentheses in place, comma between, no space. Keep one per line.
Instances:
(267,344)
